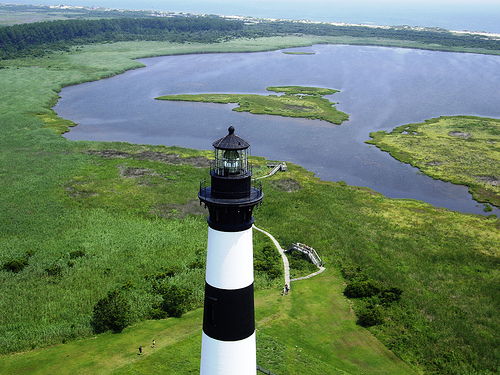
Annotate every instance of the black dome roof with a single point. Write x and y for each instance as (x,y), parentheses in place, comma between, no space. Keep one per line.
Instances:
(231,142)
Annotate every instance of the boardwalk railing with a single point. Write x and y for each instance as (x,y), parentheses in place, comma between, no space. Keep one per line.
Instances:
(281,166)
(307,250)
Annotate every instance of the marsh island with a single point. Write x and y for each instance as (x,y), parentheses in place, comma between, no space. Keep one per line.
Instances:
(295,101)
(459,149)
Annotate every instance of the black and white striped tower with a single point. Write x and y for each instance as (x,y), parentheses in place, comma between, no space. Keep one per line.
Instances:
(228,342)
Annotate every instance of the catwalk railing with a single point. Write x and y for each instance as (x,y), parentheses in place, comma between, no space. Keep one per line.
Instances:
(307,250)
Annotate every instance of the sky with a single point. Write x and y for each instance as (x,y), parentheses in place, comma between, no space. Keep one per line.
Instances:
(473,15)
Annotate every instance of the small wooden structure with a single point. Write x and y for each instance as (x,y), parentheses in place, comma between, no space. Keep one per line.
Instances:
(276,167)
(307,250)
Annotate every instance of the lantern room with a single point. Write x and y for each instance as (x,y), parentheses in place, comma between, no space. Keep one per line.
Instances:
(231,155)
(231,175)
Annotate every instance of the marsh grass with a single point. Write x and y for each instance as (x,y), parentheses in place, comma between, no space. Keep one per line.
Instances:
(444,262)
(462,149)
(59,197)
(298,53)
(303,102)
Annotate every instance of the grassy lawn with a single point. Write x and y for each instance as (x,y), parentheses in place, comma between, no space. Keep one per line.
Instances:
(312,330)
(462,149)
(305,102)
(315,332)
(90,217)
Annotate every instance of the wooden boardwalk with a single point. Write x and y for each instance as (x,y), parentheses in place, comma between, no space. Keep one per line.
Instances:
(307,250)
(321,269)
(275,168)
(286,265)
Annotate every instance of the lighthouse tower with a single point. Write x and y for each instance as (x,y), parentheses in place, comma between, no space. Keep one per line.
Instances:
(228,341)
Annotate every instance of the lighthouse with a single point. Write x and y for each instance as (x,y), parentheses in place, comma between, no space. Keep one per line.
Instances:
(228,339)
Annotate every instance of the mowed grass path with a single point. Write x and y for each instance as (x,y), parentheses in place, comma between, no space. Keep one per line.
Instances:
(312,330)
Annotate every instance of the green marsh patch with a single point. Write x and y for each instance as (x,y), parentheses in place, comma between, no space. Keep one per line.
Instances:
(151,179)
(464,150)
(298,53)
(297,101)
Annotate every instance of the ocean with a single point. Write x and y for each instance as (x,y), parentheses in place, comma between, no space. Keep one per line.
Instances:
(471,15)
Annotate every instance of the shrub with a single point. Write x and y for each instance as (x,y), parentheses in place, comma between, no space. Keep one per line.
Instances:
(128,285)
(174,300)
(54,270)
(370,316)
(157,313)
(487,208)
(300,262)
(111,313)
(15,265)
(268,261)
(387,296)
(360,289)
(352,273)
(164,273)
(76,254)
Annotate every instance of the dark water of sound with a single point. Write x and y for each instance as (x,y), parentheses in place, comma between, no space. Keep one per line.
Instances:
(380,88)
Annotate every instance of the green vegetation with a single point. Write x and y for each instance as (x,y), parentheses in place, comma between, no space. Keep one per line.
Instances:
(300,264)
(79,220)
(15,265)
(105,25)
(301,90)
(312,330)
(268,261)
(34,38)
(298,53)
(371,297)
(412,37)
(111,313)
(461,149)
(305,102)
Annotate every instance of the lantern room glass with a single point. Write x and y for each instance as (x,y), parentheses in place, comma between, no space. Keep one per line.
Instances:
(231,162)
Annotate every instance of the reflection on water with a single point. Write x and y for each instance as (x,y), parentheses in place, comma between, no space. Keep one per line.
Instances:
(381,88)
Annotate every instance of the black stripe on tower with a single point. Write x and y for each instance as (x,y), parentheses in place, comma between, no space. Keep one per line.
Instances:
(227,218)
(229,314)
(230,201)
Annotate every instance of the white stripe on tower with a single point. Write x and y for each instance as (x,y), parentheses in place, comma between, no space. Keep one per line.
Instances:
(228,343)
(229,259)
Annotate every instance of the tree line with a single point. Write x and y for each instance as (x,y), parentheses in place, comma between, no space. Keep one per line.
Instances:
(32,38)
(434,36)
(38,37)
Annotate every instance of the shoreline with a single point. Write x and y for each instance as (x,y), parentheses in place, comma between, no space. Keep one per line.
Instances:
(202,50)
